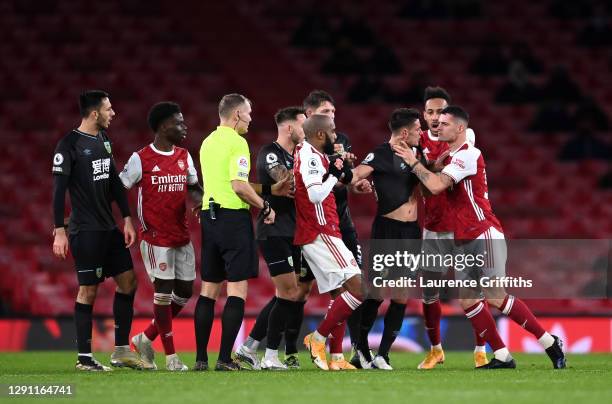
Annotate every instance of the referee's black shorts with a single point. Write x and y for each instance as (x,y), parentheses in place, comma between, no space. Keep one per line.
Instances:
(99,255)
(228,250)
(283,257)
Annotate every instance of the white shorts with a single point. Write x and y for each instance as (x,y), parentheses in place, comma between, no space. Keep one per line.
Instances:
(491,244)
(437,243)
(168,262)
(331,262)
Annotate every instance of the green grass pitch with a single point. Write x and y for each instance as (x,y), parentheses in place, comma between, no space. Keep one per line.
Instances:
(588,379)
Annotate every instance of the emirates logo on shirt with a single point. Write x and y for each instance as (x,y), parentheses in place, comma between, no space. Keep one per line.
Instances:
(181,164)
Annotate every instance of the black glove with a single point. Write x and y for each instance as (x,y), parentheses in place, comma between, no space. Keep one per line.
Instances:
(348,173)
(333,170)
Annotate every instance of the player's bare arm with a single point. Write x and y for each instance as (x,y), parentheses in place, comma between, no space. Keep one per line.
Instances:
(248,194)
(435,183)
(360,183)
(284,187)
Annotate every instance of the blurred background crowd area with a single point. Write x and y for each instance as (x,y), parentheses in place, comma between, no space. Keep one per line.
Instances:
(534,77)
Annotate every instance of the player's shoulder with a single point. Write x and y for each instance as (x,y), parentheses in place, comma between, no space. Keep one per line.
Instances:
(379,151)
(470,136)
(268,149)
(468,152)
(69,139)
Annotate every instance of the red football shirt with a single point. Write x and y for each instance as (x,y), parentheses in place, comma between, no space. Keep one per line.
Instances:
(469,198)
(162,179)
(436,210)
(312,219)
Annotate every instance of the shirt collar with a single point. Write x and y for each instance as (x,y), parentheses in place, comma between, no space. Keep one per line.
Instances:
(163,153)
(460,148)
(227,130)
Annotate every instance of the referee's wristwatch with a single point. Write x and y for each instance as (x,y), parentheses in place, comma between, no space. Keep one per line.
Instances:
(265,211)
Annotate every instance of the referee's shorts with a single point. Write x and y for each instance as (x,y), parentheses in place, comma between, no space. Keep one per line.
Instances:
(283,257)
(229,252)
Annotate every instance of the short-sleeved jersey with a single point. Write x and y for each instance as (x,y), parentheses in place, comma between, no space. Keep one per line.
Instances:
(312,218)
(435,207)
(269,157)
(87,160)
(469,197)
(224,157)
(394,182)
(162,179)
(341,193)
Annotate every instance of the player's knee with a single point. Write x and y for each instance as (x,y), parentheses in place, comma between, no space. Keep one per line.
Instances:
(290,293)
(467,303)
(87,294)
(210,290)
(430,295)
(127,283)
(495,302)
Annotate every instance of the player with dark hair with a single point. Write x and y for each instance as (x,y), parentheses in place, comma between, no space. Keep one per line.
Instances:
(321,102)
(165,174)
(318,232)
(83,164)
(275,162)
(437,229)
(396,219)
(478,231)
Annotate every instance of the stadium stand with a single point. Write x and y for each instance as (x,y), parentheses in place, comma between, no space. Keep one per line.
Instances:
(193,52)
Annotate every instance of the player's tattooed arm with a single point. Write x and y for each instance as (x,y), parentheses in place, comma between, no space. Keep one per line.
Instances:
(434,183)
(278,172)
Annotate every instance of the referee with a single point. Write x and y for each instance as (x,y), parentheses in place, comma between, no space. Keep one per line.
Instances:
(83,164)
(229,252)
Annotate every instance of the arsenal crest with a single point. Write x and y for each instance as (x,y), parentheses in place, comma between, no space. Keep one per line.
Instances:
(107,145)
(181,164)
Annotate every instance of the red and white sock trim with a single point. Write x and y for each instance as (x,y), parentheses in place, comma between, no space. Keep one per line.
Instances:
(475,311)
(162,299)
(351,300)
(507,305)
(181,301)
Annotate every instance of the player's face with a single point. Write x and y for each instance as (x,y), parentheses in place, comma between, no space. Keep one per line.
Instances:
(104,115)
(297,130)
(449,128)
(176,129)
(243,117)
(326,108)
(433,109)
(414,133)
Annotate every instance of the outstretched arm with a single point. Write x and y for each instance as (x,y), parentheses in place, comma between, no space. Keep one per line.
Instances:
(435,183)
